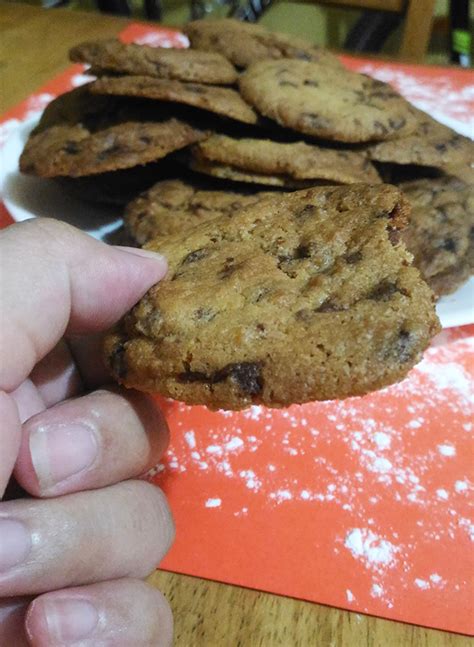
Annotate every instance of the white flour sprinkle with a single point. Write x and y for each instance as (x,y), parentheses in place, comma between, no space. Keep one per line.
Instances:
(447,450)
(371,548)
(435,578)
(213,503)
(376,591)
(349,595)
(382,440)
(234,443)
(190,438)
(460,486)
(441,493)
(281,495)
(422,584)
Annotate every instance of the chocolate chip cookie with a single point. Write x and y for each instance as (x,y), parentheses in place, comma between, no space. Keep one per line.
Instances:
(234,174)
(299,297)
(222,101)
(75,151)
(314,100)
(299,160)
(113,56)
(245,43)
(431,144)
(440,231)
(174,206)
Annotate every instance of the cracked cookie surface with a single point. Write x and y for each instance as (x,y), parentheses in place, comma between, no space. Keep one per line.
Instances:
(245,43)
(440,234)
(431,144)
(174,206)
(75,151)
(298,160)
(222,101)
(314,100)
(285,302)
(111,55)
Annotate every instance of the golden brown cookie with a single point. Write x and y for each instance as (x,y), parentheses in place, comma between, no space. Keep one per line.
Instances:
(439,234)
(226,172)
(431,144)
(75,151)
(299,297)
(314,100)
(245,43)
(173,206)
(113,56)
(297,160)
(222,101)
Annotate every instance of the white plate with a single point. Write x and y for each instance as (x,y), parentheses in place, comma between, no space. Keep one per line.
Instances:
(28,197)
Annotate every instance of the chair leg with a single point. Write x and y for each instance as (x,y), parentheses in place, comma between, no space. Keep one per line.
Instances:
(371,31)
(417,32)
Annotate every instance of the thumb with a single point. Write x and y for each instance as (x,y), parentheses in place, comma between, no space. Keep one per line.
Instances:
(56,279)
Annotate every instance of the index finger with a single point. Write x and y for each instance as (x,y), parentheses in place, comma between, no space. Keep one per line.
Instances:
(56,279)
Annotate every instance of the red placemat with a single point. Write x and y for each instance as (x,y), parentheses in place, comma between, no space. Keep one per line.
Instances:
(364,504)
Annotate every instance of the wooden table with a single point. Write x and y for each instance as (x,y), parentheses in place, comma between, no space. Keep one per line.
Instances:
(33,48)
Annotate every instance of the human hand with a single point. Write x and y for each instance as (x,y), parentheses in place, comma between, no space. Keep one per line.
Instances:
(74,554)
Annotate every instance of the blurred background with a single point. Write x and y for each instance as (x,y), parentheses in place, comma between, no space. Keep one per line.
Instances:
(448,24)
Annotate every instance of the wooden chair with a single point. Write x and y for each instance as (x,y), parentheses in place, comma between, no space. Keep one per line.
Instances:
(378,20)
(417,15)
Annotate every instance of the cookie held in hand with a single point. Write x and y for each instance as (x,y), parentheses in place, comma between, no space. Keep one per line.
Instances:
(299,297)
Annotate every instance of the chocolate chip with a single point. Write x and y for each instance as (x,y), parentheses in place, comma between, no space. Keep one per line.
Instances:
(380,128)
(313,84)
(118,361)
(146,139)
(353,258)
(228,268)
(303,251)
(394,236)
(304,315)
(205,314)
(260,327)
(192,257)
(396,124)
(71,148)
(306,212)
(329,306)
(247,376)
(287,83)
(315,121)
(441,148)
(403,346)
(449,245)
(383,291)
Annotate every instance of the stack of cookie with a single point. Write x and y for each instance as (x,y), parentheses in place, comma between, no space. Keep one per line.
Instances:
(215,134)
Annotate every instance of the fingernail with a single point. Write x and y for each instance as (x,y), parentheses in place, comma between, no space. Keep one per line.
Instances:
(15,543)
(145,253)
(61,451)
(70,620)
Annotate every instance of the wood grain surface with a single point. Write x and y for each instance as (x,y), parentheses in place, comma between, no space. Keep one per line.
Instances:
(33,48)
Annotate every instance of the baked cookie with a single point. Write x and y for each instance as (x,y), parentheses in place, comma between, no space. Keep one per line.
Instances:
(226,172)
(299,297)
(431,144)
(113,56)
(245,43)
(172,207)
(439,233)
(222,101)
(298,160)
(314,100)
(75,151)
